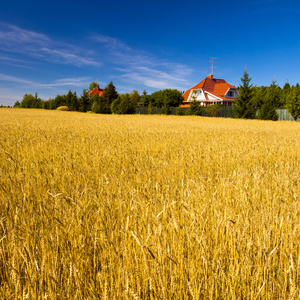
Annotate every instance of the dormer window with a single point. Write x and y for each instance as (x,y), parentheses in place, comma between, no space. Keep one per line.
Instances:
(195,94)
(231,94)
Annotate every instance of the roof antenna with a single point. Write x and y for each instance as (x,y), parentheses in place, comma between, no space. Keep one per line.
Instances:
(211,64)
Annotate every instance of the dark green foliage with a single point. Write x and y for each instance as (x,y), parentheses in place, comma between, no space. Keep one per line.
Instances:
(145,99)
(124,104)
(293,102)
(180,111)
(285,92)
(71,100)
(93,85)
(195,109)
(97,105)
(268,112)
(167,98)
(165,110)
(110,93)
(271,102)
(115,106)
(243,105)
(274,94)
(212,110)
(59,101)
(17,104)
(49,104)
(150,108)
(135,98)
(30,101)
(102,104)
(259,95)
(84,102)
(46,105)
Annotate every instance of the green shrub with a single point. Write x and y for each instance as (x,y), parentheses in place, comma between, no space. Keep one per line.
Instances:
(194,109)
(180,111)
(150,108)
(212,110)
(165,110)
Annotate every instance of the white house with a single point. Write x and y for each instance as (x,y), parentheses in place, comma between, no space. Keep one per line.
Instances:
(211,91)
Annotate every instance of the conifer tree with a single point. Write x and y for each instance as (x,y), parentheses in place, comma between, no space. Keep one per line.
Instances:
(84,102)
(109,95)
(71,100)
(195,109)
(286,90)
(293,102)
(243,106)
(259,94)
(268,108)
(93,85)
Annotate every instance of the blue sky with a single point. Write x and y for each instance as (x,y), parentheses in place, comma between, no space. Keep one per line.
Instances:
(50,47)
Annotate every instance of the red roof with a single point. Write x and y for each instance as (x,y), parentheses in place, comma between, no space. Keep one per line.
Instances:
(96,90)
(217,87)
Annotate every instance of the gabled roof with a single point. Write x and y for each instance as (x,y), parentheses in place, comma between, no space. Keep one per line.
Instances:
(96,90)
(216,87)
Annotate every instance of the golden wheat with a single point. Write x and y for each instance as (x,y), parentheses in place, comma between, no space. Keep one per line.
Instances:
(148,207)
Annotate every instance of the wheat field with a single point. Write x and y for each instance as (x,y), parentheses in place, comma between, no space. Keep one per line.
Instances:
(148,207)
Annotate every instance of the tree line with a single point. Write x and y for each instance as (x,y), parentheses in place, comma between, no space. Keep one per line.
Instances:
(252,102)
(261,102)
(109,102)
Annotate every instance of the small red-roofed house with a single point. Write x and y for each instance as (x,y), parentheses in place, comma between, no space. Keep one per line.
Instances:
(211,91)
(96,90)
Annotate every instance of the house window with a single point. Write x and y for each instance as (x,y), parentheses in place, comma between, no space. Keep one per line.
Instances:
(230,93)
(196,93)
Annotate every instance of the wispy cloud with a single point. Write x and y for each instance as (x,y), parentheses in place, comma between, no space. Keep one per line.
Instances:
(65,56)
(11,35)
(75,82)
(69,82)
(143,68)
(4,77)
(39,46)
(110,42)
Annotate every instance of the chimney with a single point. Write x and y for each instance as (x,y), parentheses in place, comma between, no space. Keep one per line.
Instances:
(210,76)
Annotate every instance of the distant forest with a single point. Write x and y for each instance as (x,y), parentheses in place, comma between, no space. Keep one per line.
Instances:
(258,102)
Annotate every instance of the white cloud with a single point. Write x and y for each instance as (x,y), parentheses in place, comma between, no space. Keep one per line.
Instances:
(64,56)
(74,82)
(143,68)
(110,42)
(11,36)
(4,77)
(36,45)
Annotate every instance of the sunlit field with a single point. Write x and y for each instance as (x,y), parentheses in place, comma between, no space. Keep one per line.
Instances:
(148,207)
